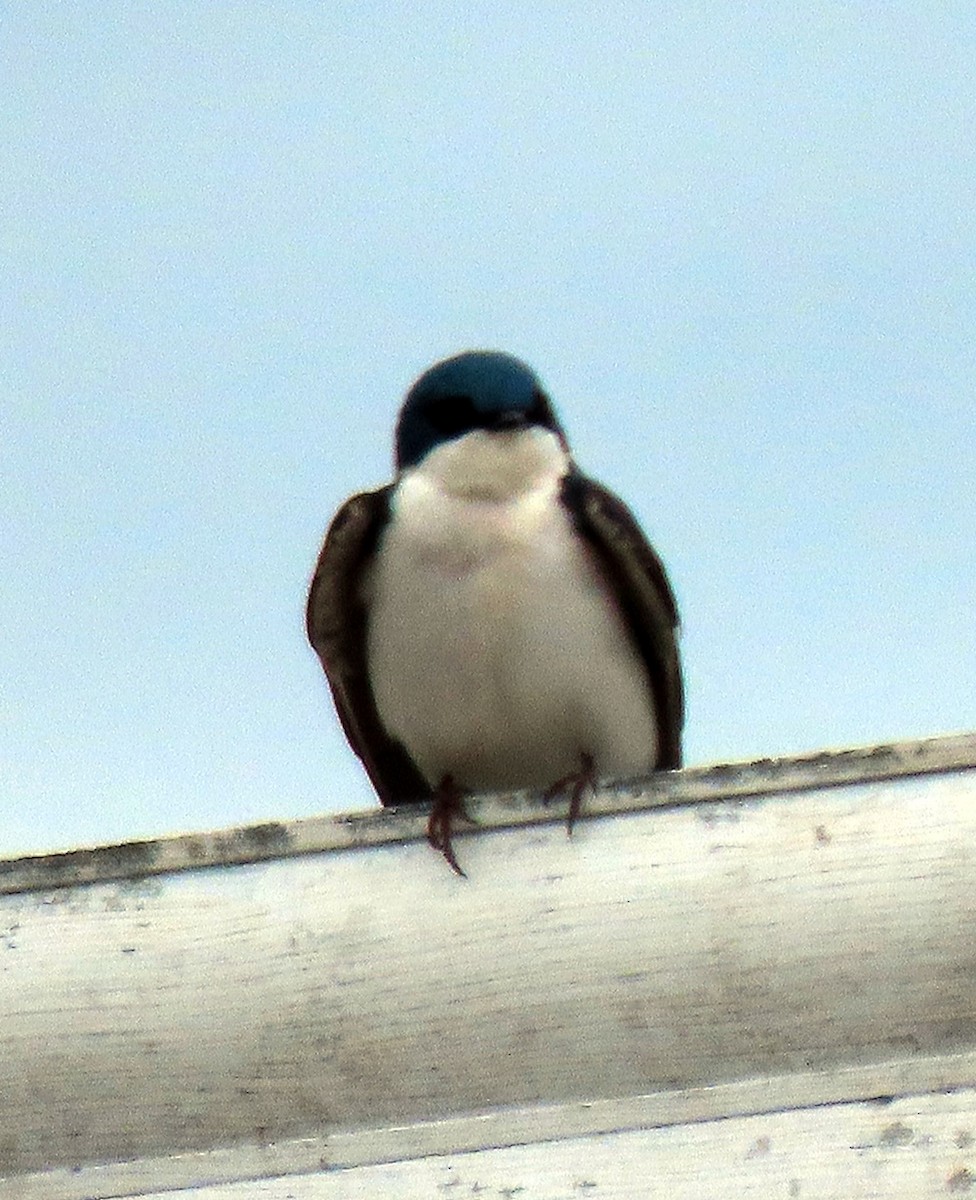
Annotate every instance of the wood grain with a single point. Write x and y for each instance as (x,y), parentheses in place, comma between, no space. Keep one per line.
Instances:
(684,966)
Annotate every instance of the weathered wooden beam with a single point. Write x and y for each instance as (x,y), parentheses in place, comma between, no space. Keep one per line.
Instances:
(374,827)
(718,946)
(908,1149)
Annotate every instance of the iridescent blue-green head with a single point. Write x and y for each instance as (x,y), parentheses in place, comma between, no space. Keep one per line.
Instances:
(480,389)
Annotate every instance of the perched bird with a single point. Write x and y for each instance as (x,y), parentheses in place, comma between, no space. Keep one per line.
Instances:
(493,619)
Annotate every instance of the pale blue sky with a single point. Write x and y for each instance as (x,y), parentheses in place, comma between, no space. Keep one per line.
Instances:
(737,241)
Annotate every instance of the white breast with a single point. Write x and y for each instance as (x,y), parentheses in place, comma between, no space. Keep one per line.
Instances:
(496,654)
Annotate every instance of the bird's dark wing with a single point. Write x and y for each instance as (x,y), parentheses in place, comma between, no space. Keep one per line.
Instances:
(646,600)
(336,623)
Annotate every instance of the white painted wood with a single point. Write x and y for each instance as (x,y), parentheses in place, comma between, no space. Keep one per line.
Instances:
(346,1158)
(787,945)
(915,1149)
(356,830)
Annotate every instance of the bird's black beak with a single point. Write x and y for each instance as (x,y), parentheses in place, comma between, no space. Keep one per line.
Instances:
(509,419)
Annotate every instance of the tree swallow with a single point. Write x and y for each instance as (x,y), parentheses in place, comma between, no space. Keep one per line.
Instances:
(493,619)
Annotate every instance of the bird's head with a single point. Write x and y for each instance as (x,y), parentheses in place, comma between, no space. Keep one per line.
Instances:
(477,390)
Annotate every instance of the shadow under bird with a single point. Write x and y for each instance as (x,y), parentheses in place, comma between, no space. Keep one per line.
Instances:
(493,619)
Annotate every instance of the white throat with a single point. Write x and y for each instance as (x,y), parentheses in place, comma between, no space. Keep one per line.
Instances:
(496,466)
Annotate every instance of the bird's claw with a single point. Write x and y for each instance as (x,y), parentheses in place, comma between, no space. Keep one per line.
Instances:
(576,783)
(446,806)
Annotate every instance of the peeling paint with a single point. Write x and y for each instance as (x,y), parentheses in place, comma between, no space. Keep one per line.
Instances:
(960,1181)
(897,1134)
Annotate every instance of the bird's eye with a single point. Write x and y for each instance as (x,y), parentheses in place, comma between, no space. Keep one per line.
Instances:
(451,415)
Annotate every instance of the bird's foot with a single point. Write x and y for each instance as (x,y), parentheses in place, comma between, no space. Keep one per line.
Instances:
(447,805)
(576,783)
